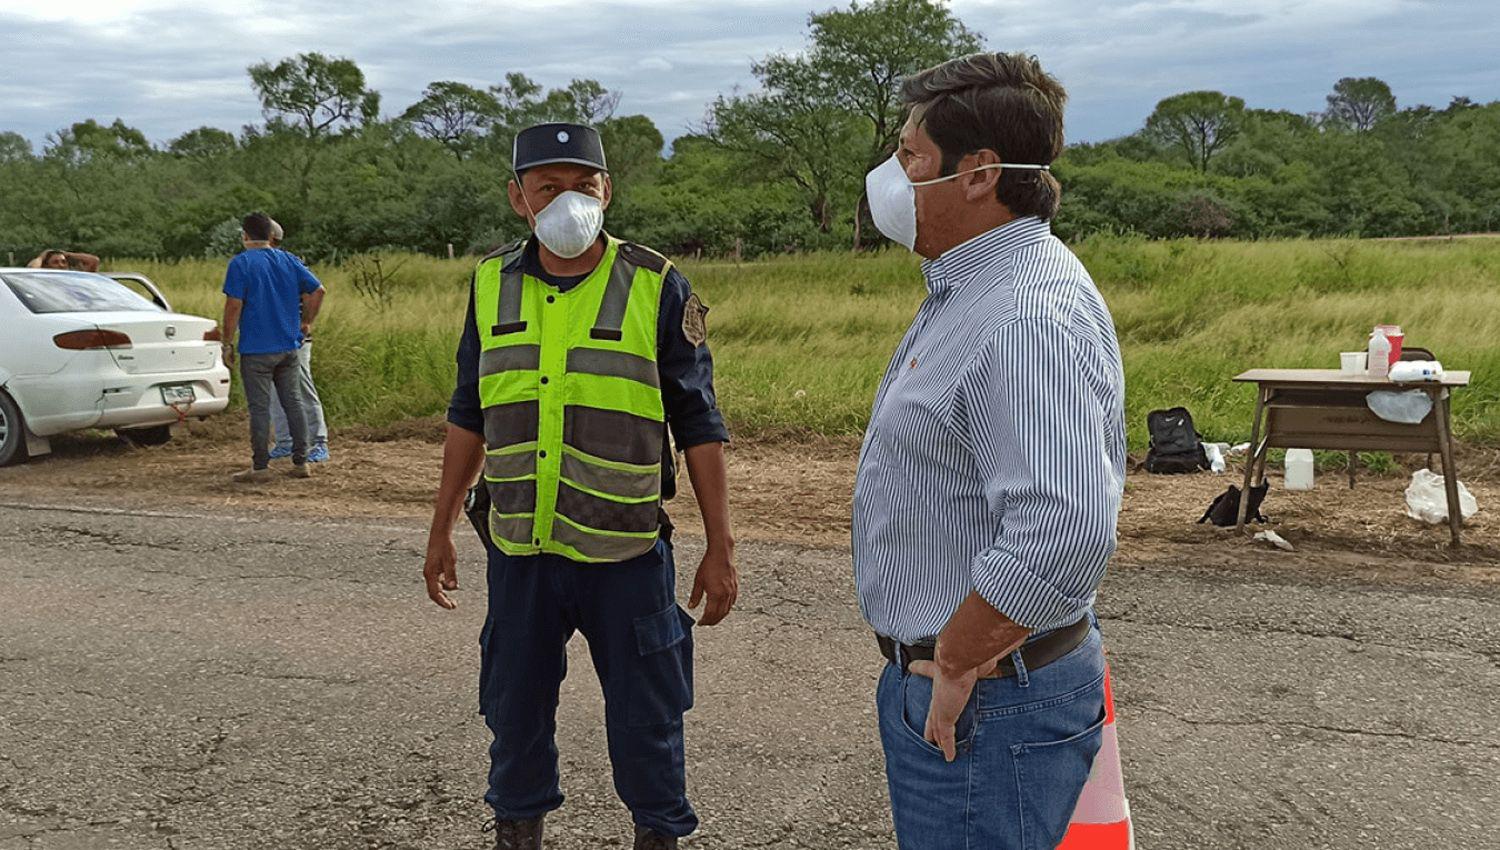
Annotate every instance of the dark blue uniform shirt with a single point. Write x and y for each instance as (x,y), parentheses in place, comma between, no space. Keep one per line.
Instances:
(687,371)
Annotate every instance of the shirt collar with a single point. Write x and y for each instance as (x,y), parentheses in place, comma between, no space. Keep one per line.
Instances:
(961,263)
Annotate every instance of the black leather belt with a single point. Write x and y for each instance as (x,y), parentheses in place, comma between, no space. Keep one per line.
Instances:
(1035,655)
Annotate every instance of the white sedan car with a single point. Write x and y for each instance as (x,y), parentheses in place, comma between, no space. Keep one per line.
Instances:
(84,350)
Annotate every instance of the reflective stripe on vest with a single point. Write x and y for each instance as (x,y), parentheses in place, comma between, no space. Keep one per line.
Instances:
(573,418)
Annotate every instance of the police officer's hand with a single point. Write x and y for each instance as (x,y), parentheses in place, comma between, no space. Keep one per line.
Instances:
(441,569)
(717,580)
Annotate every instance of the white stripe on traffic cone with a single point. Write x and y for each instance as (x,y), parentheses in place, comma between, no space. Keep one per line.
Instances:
(1101,820)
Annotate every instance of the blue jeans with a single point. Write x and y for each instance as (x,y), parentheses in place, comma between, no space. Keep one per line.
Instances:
(641,643)
(1026,744)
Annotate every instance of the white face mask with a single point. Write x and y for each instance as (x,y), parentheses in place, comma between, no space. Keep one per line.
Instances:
(893,197)
(570,224)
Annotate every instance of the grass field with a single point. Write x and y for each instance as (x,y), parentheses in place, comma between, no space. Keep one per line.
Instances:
(800,342)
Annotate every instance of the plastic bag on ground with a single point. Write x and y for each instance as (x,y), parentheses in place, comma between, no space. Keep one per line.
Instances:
(1215,452)
(1427,500)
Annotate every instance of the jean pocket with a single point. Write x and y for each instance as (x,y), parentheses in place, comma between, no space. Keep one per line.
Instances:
(1049,778)
(916,700)
(662,684)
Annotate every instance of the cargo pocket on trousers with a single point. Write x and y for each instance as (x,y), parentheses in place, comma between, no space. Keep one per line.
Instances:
(663,684)
(1049,779)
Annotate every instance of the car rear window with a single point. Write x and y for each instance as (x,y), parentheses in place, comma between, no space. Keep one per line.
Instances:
(74,292)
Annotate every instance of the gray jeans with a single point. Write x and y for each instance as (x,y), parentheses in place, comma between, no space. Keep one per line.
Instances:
(312,406)
(260,374)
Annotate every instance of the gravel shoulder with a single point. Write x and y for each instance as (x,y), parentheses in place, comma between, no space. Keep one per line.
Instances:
(192,665)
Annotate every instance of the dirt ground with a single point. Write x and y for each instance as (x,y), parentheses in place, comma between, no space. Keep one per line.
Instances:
(794,492)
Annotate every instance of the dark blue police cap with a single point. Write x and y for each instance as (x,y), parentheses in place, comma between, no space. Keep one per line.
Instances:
(544,144)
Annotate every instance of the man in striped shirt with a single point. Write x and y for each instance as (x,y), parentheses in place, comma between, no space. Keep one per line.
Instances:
(990,478)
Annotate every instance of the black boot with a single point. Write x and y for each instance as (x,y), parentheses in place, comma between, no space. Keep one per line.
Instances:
(645,839)
(517,834)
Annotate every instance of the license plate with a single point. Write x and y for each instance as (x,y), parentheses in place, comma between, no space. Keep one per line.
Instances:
(180,394)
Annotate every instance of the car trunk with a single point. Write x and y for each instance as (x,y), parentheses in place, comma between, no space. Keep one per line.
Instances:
(160,342)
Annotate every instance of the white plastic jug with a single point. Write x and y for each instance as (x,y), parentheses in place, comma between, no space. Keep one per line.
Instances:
(1380,354)
(1299,469)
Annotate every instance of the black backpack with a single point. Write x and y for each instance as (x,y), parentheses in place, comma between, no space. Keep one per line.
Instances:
(1224,511)
(1176,446)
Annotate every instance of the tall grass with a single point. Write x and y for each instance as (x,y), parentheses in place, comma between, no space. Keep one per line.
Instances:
(800,342)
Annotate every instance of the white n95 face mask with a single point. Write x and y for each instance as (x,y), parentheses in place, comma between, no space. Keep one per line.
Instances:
(570,224)
(893,197)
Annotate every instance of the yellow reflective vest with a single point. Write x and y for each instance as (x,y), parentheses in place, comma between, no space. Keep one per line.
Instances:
(573,417)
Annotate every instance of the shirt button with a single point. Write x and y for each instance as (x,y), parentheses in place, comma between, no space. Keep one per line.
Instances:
(536,541)
(544,379)
(542,453)
(551,298)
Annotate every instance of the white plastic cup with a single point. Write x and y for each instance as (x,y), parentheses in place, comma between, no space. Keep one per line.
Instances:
(1354,361)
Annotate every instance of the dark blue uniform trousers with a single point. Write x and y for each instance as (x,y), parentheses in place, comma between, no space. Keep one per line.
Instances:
(642,647)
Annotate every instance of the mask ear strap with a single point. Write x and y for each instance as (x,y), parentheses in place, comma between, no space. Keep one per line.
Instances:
(520,187)
(990,166)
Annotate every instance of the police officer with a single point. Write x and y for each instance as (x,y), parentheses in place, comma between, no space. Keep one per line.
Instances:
(580,351)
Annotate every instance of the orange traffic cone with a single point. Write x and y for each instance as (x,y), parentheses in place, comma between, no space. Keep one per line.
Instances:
(1101,820)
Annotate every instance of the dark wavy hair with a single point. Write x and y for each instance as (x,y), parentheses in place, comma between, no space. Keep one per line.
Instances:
(1003,102)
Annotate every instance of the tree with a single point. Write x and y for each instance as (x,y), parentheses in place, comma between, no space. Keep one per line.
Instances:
(454,114)
(315,93)
(861,54)
(14,147)
(1198,124)
(588,100)
(838,103)
(87,140)
(793,132)
(519,97)
(1359,103)
(632,145)
(1460,103)
(204,143)
(523,102)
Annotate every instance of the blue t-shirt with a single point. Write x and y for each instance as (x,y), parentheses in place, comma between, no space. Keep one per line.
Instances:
(271,282)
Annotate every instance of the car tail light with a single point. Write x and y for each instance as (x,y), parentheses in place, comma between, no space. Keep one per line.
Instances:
(84,340)
(213,335)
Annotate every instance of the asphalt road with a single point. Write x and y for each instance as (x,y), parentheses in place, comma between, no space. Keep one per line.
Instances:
(247,681)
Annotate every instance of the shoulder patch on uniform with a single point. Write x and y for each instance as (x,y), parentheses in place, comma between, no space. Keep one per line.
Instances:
(505,250)
(695,320)
(643,257)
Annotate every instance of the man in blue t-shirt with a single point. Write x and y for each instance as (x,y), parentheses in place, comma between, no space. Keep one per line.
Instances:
(270,297)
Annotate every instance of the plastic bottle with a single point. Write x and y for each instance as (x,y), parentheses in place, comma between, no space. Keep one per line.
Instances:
(1380,354)
(1299,469)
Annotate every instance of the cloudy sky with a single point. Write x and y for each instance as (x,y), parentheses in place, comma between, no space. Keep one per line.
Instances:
(166,66)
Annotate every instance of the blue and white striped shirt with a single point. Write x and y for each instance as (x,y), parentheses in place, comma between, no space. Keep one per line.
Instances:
(995,456)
